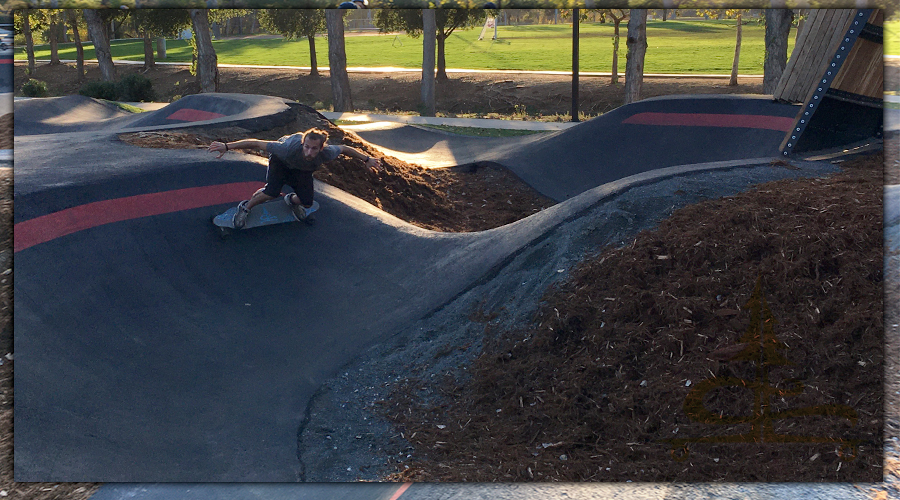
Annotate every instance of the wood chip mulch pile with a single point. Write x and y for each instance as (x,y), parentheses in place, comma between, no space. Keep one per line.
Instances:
(664,339)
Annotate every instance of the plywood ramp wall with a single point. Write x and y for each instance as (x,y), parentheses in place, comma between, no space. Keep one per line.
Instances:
(815,44)
(863,73)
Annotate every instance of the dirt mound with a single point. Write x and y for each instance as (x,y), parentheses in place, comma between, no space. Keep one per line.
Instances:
(6,131)
(665,339)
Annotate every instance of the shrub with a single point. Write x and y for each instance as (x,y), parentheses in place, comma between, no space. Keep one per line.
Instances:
(100,90)
(35,88)
(135,88)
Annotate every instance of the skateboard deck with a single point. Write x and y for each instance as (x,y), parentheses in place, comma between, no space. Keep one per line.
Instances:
(264,214)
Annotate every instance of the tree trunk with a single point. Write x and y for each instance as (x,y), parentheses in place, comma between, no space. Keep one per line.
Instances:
(441,60)
(429,40)
(665,15)
(101,45)
(778,29)
(79,47)
(207,62)
(29,40)
(149,62)
(313,62)
(161,47)
(615,58)
(737,54)
(637,48)
(54,43)
(337,61)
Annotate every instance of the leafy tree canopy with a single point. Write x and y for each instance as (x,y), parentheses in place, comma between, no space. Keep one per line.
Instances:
(163,22)
(410,20)
(293,23)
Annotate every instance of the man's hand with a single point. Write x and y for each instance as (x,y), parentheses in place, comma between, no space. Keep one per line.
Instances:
(216,146)
(373,164)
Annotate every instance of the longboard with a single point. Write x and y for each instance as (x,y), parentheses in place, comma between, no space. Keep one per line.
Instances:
(271,212)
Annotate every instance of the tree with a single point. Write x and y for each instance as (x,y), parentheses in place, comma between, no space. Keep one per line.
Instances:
(637,48)
(152,23)
(296,23)
(207,62)
(617,15)
(72,17)
(23,18)
(337,60)
(737,14)
(778,29)
(429,28)
(448,20)
(230,18)
(56,26)
(97,30)
(737,50)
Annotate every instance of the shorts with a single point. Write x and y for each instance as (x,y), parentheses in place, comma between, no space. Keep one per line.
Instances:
(279,174)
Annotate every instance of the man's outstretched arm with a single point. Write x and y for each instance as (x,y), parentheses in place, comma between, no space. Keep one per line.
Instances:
(371,162)
(222,147)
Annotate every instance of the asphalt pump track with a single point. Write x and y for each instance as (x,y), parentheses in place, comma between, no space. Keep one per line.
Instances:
(149,350)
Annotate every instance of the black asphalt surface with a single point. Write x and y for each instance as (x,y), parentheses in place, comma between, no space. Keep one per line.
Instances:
(564,164)
(147,349)
(77,113)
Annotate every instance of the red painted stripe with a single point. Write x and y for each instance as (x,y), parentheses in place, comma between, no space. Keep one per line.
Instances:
(51,226)
(767,122)
(193,115)
(401,490)
(6,61)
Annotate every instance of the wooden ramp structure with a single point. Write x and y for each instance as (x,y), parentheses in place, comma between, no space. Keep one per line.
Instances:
(837,72)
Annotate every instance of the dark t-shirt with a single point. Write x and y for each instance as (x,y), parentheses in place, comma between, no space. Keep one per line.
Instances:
(289,149)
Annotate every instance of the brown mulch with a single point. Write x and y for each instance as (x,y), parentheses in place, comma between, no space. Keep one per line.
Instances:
(6,131)
(592,389)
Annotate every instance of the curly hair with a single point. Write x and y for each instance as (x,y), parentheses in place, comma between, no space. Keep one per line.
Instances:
(316,135)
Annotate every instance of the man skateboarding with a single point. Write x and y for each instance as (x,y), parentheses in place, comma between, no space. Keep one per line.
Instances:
(292,161)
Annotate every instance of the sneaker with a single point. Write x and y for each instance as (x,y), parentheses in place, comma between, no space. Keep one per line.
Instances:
(240,215)
(299,212)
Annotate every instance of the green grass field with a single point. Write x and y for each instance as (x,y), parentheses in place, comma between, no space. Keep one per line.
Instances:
(892,37)
(674,47)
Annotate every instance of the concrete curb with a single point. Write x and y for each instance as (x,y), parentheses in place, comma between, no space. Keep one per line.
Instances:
(394,69)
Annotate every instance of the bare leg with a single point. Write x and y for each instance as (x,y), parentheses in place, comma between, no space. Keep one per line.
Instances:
(257,198)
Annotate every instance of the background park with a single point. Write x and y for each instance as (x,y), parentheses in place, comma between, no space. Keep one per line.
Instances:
(685,48)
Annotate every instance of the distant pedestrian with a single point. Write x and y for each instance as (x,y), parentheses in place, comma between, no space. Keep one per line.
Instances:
(292,161)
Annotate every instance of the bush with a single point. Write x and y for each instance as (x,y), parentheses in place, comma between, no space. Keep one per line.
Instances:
(135,88)
(100,90)
(35,88)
